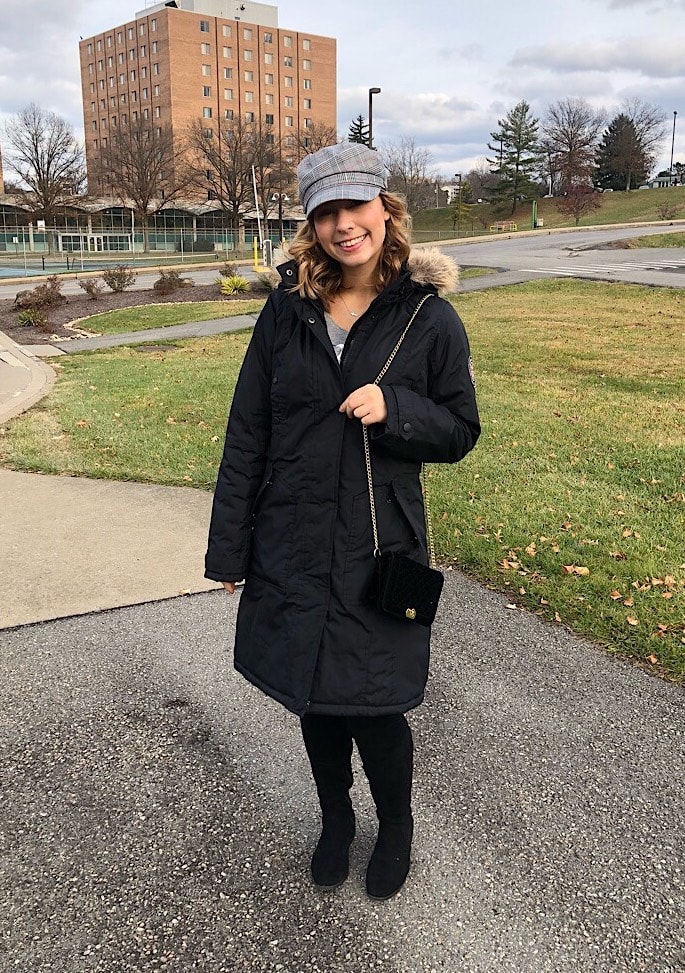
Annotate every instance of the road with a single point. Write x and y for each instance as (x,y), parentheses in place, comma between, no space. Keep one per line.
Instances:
(535,255)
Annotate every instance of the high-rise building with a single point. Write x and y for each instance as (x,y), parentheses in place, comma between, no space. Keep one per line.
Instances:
(211,60)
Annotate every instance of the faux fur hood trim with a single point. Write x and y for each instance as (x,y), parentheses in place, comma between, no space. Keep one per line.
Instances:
(432,266)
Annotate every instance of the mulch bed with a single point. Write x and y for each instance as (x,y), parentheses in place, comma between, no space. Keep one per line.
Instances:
(77,306)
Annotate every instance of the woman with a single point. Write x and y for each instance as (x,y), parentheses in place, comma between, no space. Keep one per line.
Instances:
(291,510)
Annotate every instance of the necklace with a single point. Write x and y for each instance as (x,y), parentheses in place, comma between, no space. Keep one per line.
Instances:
(353,314)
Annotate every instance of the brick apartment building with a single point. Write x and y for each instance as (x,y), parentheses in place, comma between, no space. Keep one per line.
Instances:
(213,60)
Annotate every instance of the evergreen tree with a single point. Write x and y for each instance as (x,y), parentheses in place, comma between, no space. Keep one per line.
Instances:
(622,162)
(517,155)
(359,131)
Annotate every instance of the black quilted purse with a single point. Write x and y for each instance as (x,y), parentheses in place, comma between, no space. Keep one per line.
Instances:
(401,586)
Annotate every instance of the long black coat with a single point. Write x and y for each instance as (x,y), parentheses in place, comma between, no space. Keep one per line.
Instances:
(291,507)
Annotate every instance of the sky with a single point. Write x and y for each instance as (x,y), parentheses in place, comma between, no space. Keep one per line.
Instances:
(447,71)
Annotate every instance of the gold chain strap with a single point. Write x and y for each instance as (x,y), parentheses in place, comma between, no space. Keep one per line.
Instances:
(367,455)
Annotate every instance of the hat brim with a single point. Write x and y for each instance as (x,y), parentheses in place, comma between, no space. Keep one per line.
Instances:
(354,193)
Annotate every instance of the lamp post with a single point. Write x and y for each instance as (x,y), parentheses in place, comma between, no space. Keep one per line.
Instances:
(670,170)
(372,92)
(457,176)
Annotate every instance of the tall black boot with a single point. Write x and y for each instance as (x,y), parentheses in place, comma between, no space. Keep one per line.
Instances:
(329,748)
(387,749)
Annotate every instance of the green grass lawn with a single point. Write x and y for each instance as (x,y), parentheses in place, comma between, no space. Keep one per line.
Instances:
(638,206)
(661,240)
(573,501)
(161,315)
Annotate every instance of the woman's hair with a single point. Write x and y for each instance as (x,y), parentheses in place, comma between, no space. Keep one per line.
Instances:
(320,276)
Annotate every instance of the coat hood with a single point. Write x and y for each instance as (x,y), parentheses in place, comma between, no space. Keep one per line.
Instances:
(426,266)
(432,266)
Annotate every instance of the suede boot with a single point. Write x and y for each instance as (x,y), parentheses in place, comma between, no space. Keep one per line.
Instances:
(329,748)
(387,756)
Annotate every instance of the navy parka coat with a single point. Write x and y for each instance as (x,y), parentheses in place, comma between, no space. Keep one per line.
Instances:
(291,508)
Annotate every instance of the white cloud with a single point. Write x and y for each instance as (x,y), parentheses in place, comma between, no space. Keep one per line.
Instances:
(650,56)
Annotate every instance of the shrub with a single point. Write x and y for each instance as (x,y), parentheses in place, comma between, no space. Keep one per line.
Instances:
(265,281)
(235,284)
(92,287)
(119,278)
(169,281)
(44,296)
(229,269)
(667,210)
(32,317)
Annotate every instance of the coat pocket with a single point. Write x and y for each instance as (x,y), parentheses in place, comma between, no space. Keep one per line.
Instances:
(273,523)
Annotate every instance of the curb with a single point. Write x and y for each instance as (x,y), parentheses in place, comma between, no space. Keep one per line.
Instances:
(33,380)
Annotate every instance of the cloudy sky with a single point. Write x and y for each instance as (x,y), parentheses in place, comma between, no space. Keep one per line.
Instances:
(447,70)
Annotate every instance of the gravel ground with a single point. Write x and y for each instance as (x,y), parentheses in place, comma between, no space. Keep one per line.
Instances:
(78,306)
(157,812)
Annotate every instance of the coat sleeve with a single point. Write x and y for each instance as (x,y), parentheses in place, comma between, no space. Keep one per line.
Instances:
(443,426)
(244,458)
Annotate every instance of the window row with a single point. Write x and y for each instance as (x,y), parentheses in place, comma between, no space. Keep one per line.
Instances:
(145,114)
(130,34)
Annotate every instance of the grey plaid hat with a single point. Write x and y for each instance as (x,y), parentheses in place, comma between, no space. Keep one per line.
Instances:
(343,171)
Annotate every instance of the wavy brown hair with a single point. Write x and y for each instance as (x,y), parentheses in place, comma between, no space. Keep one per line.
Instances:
(320,276)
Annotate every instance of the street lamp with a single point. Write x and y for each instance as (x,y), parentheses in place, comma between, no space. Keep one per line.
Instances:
(457,176)
(372,92)
(670,171)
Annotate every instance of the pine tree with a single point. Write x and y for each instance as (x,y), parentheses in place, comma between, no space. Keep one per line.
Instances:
(622,162)
(517,155)
(359,131)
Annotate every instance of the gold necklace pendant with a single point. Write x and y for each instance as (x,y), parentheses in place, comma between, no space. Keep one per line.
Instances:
(353,314)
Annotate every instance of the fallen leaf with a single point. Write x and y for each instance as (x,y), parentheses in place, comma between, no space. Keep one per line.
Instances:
(531,549)
(617,555)
(543,601)
(629,602)
(511,606)
(653,659)
(615,595)
(666,594)
(557,617)
(632,620)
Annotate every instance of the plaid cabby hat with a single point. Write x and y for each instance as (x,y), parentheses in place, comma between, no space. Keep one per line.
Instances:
(343,171)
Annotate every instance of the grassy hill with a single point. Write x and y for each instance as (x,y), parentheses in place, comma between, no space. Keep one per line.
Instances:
(638,206)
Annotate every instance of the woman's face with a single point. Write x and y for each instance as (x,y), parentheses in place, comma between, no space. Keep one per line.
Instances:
(352,233)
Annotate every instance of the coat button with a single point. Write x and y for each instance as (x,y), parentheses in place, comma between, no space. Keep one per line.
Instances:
(311,320)
(407,427)
(288,273)
(274,380)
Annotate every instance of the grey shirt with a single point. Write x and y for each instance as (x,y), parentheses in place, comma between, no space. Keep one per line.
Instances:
(337,335)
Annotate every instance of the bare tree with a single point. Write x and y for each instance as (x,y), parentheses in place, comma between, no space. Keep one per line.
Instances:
(410,173)
(48,159)
(571,130)
(316,137)
(144,168)
(649,121)
(579,200)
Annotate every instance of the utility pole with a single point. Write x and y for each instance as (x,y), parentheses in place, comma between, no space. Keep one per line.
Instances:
(670,170)
(372,92)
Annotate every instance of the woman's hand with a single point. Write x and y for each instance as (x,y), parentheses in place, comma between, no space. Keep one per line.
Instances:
(367,404)
(229,586)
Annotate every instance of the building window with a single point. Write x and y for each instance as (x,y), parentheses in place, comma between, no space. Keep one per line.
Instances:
(247,55)
(287,61)
(146,113)
(94,125)
(306,44)
(90,49)
(120,37)
(153,24)
(99,45)
(307,104)
(109,41)
(247,34)
(288,101)
(132,54)
(268,79)
(92,87)
(156,91)
(308,123)
(155,68)
(122,98)
(134,96)
(228,52)
(206,70)
(93,106)
(206,112)
(91,68)
(249,116)
(287,41)
(133,75)
(269,139)
(228,94)
(101,65)
(206,91)
(134,116)
(249,96)
(158,111)
(268,38)
(228,114)
(155,47)
(142,51)
(268,99)
(306,64)
(110,61)
(288,81)
(289,140)
(205,48)
(226,30)
(268,58)
(307,84)
(122,80)
(145,94)
(101,83)
(249,76)
(143,72)
(120,57)
(204,26)
(141,30)
(228,73)
(130,33)
(269,119)
(288,121)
